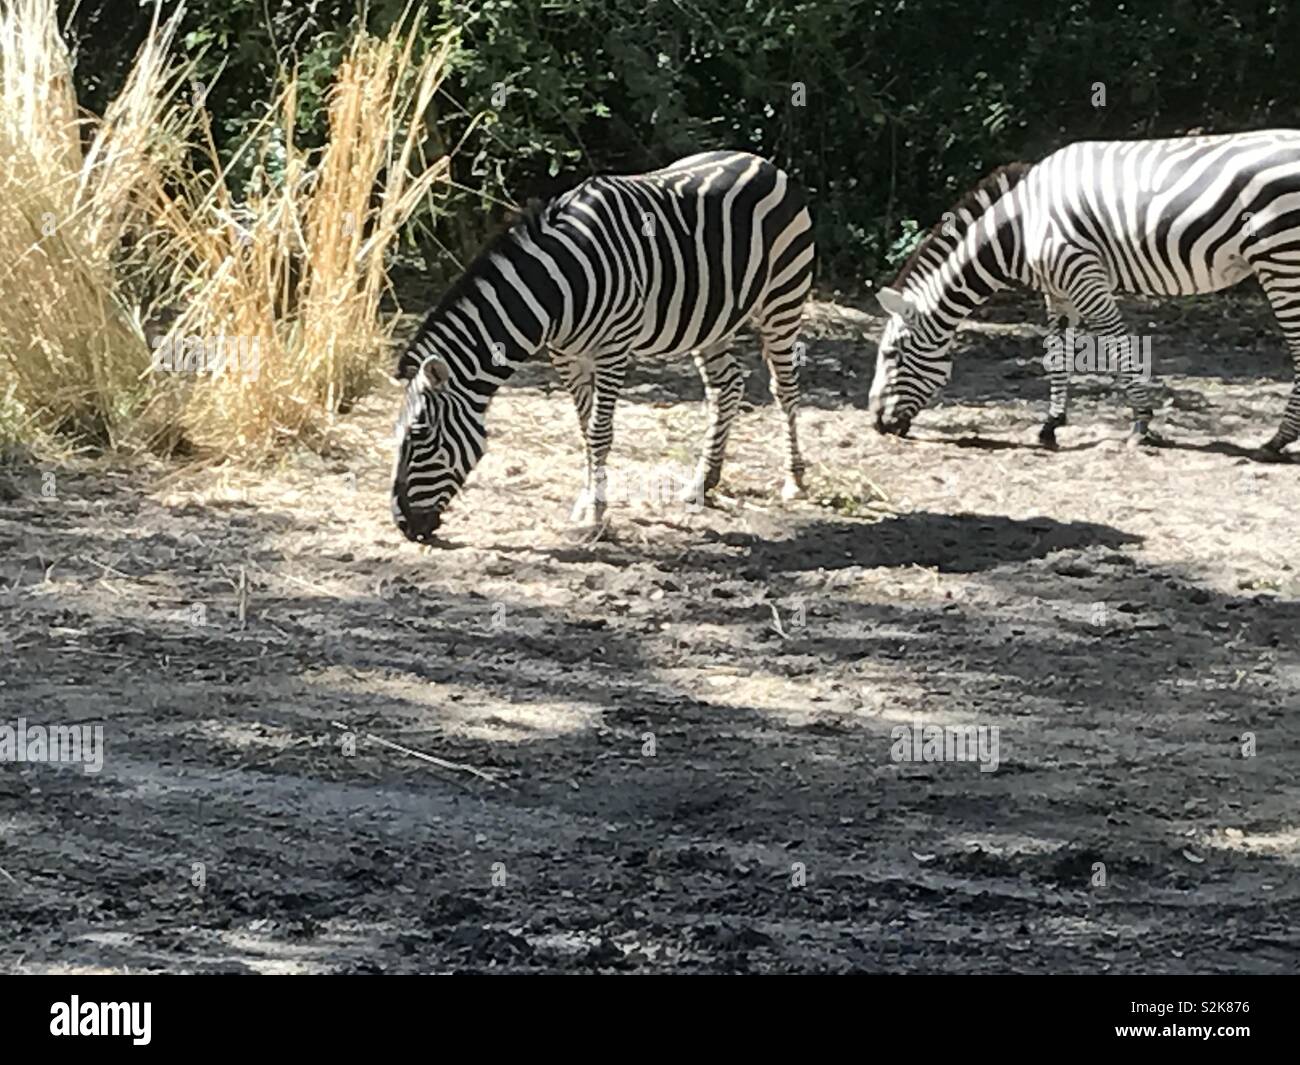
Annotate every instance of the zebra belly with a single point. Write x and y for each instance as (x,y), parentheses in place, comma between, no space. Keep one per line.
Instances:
(586,355)
(1224,270)
(709,334)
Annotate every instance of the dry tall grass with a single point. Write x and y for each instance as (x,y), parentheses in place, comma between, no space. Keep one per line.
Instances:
(300,267)
(72,350)
(281,283)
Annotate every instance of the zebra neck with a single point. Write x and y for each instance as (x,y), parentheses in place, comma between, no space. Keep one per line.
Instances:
(481,353)
(977,266)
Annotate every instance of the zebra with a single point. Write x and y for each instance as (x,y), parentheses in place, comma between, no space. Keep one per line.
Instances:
(1177,216)
(617,268)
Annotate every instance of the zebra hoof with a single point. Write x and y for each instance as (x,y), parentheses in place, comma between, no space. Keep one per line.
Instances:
(1142,437)
(791,490)
(1047,437)
(587,511)
(1270,453)
(693,495)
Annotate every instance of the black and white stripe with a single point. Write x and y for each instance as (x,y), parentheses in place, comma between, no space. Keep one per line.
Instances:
(620,267)
(1159,217)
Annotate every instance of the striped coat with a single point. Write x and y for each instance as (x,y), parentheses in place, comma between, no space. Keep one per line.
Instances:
(1158,217)
(618,268)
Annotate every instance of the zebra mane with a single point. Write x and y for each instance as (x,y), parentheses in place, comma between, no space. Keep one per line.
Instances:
(957,219)
(527,221)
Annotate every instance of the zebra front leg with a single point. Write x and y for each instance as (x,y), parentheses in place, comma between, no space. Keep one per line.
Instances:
(784,356)
(1058,405)
(724,386)
(607,382)
(578,372)
(1062,320)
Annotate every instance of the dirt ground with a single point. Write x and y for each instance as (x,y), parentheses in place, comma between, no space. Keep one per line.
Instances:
(685,726)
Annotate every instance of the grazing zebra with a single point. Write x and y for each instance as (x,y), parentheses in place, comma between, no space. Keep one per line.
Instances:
(619,267)
(1159,217)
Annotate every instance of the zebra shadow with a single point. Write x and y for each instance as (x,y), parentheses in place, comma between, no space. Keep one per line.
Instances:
(948,543)
(975,442)
(1225,447)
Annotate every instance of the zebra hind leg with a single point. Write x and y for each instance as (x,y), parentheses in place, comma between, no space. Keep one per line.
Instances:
(1140,393)
(784,356)
(724,386)
(1105,323)
(1135,381)
(1284,297)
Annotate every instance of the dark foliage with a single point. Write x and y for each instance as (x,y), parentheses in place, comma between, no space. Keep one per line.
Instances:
(885,110)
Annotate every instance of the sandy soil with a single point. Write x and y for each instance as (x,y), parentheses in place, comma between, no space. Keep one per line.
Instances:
(686,723)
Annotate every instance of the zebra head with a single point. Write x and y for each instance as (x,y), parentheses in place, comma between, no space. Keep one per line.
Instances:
(439,439)
(911,363)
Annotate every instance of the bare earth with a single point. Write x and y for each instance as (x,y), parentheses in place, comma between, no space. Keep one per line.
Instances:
(687,723)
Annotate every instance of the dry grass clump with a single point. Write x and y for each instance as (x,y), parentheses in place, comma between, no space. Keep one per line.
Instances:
(148,301)
(74,195)
(296,272)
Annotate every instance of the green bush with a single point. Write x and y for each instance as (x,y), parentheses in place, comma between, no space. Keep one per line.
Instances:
(904,104)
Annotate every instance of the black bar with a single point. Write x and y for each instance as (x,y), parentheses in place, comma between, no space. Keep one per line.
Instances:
(341,1013)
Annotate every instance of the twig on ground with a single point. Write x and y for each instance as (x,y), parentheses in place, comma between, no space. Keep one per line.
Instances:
(106,568)
(317,588)
(600,531)
(267,759)
(459,767)
(776,621)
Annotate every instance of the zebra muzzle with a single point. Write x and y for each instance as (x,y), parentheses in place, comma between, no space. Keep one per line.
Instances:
(417,526)
(897,427)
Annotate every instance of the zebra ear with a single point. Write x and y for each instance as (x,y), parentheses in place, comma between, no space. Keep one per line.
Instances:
(894,302)
(434,374)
